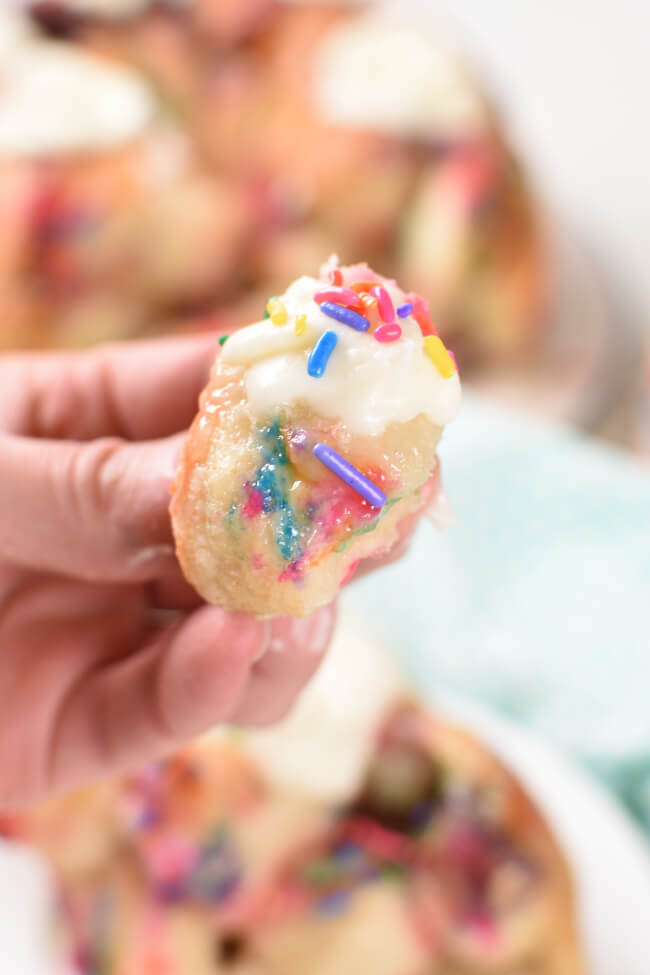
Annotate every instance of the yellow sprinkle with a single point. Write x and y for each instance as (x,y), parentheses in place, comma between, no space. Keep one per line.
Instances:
(435,349)
(277,312)
(301,324)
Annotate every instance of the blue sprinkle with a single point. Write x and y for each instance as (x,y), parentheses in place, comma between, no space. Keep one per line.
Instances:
(271,481)
(405,310)
(345,315)
(350,475)
(320,353)
(333,904)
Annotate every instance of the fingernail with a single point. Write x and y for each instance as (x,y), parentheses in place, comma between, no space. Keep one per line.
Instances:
(266,643)
(311,634)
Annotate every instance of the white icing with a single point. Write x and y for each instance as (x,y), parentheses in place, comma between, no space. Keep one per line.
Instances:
(323,747)
(15,30)
(367,384)
(55,98)
(378,71)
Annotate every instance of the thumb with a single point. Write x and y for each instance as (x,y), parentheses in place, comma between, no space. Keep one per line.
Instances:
(95,510)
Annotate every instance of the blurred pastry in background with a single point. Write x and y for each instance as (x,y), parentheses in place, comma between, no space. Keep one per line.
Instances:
(363,834)
(340,130)
(106,217)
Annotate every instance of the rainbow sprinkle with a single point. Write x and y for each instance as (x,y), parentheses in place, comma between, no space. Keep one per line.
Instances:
(343,296)
(388,333)
(345,315)
(300,324)
(386,307)
(267,313)
(320,353)
(223,339)
(335,276)
(277,311)
(405,310)
(435,349)
(350,475)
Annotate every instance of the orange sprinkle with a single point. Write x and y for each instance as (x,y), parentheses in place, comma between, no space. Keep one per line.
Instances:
(336,276)
(360,286)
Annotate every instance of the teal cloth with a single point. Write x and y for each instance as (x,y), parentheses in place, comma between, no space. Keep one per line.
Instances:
(537,601)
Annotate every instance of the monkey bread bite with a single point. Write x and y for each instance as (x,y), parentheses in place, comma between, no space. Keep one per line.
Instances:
(316,436)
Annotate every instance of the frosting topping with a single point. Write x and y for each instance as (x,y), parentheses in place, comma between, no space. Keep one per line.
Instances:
(367,383)
(380,72)
(55,98)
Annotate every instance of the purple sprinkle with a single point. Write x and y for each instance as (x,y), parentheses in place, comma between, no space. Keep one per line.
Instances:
(404,310)
(320,353)
(350,475)
(346,316)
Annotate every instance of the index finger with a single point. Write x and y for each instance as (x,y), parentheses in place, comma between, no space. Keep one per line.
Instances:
(137,391)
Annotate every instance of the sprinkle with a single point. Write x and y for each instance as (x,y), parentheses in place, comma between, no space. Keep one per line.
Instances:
(335,276)
(405,310)
(344,296)
(421,315)
(346,316)
(438,354)
(320,353)
(267,313)
(368,301)
(386,307)
(301,324)
(277,312)
(363,285)
(388,333)
(350,475)
(223,339)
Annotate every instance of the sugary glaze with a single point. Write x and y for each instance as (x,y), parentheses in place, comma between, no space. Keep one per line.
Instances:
(367,385)
(261,524)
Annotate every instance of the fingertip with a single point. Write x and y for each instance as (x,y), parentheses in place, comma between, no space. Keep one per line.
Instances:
(206,668)
(310,634)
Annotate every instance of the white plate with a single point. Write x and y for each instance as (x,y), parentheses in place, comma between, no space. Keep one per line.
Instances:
(610,859)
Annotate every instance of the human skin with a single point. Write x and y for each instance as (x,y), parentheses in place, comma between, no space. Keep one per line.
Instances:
(107,656)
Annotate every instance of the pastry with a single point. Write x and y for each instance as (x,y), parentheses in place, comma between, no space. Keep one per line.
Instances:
(316,436)
(418,852)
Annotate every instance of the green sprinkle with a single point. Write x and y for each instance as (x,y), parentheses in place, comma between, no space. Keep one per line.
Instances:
(266,309)
(223,339)
(320,872)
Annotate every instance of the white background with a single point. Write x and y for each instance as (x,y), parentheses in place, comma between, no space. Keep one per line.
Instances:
(573,80)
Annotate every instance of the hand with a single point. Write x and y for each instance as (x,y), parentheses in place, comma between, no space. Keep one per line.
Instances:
(107,656)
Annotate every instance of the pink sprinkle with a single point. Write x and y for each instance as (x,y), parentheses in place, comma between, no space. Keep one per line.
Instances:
(453,358)
(388,333)
(336,276)
(350,572)
(386,307)
(342,296)
(292,573)
(254,503)
(257,561)
(484,929)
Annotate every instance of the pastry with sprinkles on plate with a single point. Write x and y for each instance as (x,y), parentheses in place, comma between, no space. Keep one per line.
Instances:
(315,439)
(363,835)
